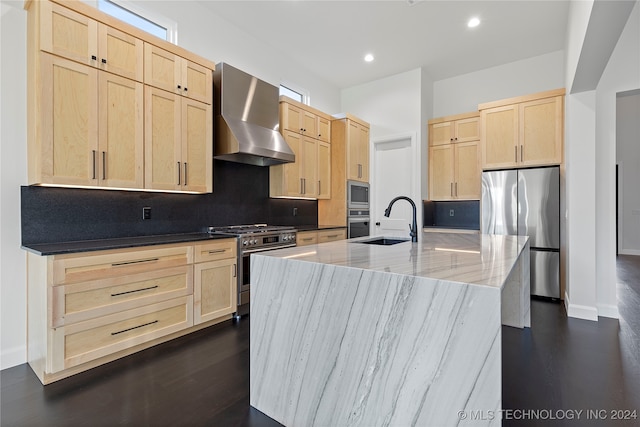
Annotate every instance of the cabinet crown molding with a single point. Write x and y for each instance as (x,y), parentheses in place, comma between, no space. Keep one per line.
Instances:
(524,98)
(305,107)
(349,116)
(454,117)
(94,13)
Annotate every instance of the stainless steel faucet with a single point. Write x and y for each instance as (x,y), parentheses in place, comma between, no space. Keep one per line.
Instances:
(412,227)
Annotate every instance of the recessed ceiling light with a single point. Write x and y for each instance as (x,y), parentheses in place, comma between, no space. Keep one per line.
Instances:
(368,57)
(473,22)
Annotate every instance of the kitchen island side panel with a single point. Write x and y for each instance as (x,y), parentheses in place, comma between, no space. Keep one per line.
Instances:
(334,346)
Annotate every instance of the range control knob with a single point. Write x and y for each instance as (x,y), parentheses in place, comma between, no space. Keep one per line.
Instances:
(245,242)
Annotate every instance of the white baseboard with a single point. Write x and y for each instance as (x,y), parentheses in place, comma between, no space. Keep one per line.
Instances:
(13,357)
(580,311)
(608,310)
(629,252)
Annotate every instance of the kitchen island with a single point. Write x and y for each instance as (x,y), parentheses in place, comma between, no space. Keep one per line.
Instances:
(349,333)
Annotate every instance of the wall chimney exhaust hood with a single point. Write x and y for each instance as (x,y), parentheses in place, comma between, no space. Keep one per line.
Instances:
(246,119)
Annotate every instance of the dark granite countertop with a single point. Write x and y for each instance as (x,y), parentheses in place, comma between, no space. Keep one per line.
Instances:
(119,243)
(318,227)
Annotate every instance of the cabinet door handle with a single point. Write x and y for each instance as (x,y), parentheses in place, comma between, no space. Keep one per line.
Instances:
(516,148)
(93,155)
(104,165)
(235,270)
(185,173)
(301,186)
(451,190)
(178,173)
(521,153)
(456,189)
(319,184)
(138,261)
(134,291)
(216,251)
(185,89)
(304,181)
(135,327)
(179,87)
(94,58)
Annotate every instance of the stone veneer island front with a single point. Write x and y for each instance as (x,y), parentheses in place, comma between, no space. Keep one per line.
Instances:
(353,334)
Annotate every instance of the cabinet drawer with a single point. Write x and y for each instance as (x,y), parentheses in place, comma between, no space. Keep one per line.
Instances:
(331,235)
(307,238)
(220,249)
(87,300)
(98,265)
(85,341)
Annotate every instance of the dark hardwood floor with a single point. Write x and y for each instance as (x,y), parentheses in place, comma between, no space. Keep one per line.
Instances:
(560,364)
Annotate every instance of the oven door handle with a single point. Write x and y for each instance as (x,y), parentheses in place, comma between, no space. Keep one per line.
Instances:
(251,251)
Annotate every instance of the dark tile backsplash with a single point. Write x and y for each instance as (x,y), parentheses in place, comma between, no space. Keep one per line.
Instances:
(240,196)
(466,214)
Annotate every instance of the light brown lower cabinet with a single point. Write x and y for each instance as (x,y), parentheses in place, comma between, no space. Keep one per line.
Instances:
(87,309)
(305,238)
(214,293)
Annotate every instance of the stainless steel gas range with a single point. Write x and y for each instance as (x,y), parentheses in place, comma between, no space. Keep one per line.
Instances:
(251,239)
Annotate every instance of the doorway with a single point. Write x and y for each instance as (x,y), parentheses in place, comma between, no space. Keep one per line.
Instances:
(394,173)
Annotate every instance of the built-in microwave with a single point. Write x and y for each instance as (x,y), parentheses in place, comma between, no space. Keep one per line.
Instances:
(357,195)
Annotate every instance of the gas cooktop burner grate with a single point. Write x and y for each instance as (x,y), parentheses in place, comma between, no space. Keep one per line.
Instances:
(250,228)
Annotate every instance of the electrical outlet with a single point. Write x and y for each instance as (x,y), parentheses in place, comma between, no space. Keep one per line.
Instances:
(451,212)
(146,213)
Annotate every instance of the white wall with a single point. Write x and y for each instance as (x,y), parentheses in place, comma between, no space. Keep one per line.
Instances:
(13,164)
(392,106)
(462,94)
(580,124)
(628,159)
(622,73)
(591,196)
(201,32)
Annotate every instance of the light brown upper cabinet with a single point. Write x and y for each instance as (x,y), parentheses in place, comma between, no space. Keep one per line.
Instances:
(300,178)
(178,142)
(307,132)
(357,141)
(454,158)
(168,71)
(66,33)
(464,129)
(86,104)
(91,127)
(524,131)
(304,120)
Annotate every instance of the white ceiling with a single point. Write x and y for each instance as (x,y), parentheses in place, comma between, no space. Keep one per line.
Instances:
(331,37)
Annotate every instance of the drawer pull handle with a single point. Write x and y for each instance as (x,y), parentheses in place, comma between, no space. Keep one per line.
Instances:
(139,261)
(307,239)
(135,327)
(217,251)
(137,290)
(332,235)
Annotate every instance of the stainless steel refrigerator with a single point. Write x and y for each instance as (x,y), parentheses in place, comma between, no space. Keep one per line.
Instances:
(526,202)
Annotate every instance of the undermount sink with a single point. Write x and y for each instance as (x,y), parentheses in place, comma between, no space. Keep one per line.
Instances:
(383,241)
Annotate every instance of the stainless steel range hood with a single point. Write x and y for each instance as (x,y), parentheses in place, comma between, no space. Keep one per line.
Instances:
(246,117)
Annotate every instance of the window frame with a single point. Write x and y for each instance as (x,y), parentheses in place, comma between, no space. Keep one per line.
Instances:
(149,15)
(304,94)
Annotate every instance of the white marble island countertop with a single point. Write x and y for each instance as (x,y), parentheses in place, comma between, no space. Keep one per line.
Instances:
(479,259)
(352,334)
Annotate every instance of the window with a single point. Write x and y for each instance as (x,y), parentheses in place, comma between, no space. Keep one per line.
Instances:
(147,21)
(293,94)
